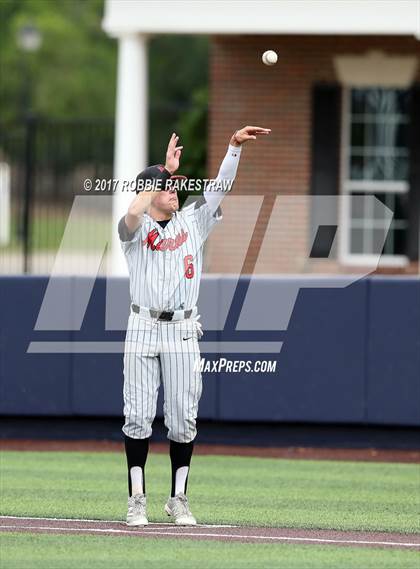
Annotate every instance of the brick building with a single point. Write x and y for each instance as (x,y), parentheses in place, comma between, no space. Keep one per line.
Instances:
(344,113)
(343,103)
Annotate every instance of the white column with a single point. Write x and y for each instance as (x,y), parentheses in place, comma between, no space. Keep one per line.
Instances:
(5,211)
(130,155)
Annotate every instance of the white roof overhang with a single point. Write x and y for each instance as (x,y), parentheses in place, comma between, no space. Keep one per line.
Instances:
(274,17)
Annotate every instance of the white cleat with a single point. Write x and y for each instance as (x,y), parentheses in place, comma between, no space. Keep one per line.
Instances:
(179,510)
(136,514)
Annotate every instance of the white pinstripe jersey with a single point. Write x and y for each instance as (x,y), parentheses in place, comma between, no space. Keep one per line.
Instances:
(165,264)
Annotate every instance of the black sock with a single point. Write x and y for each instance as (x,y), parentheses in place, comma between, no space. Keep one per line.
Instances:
(180,454)
(136,452)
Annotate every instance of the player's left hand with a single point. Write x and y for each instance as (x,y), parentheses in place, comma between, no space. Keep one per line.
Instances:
(248,133)
(173,154)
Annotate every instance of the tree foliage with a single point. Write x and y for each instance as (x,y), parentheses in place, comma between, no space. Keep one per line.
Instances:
(73,74)
(178,98)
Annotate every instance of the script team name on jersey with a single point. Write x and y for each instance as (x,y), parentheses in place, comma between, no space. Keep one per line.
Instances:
(165,244)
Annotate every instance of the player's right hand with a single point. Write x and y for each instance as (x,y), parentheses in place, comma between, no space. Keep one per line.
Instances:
(173,154)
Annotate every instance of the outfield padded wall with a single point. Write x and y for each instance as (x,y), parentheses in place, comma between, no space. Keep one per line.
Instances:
(350,354)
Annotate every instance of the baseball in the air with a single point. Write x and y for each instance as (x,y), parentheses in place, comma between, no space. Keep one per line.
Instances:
(269,57)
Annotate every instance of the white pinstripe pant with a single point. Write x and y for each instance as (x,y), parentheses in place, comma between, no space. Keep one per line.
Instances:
(156,351)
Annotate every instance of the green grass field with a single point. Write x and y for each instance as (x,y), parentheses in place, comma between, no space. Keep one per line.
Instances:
(230,490)
(67,552)
(90,232)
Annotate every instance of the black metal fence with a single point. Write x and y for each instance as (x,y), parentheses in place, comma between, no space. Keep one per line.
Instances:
(47,161)
(43,165)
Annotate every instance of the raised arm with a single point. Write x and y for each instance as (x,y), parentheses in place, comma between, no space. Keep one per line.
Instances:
(230,163)
(142,200)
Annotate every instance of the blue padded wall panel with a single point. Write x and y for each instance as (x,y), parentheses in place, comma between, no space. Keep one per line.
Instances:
(393,390)
(97,378)
(30,383)
(321,367)
(350,355)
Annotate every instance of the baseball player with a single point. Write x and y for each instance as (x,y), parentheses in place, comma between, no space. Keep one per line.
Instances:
(163,246)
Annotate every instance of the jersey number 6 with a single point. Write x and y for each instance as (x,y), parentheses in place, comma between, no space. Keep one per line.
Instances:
(188,267)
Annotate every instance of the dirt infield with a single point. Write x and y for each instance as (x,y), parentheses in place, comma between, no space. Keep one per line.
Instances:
(369,454)
(212,532)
